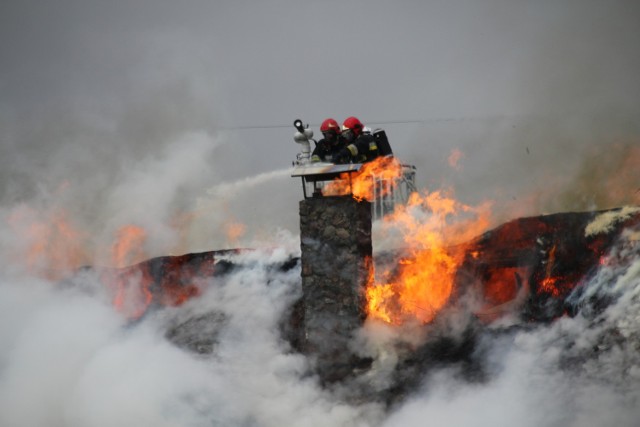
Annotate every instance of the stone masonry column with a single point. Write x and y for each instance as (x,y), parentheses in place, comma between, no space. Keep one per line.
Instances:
(335,234)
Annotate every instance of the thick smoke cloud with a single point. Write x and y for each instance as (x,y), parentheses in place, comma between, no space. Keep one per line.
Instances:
(176,118)
(69,358)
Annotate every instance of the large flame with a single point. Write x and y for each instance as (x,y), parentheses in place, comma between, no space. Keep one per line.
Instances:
(432,225)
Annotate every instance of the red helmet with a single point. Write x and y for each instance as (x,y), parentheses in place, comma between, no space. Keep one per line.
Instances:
(354,124)
(330,125)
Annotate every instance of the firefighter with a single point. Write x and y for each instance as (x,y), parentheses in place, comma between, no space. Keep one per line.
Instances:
(360,146)
(331,143)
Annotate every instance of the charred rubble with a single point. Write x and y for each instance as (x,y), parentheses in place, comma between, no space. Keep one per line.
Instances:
(532,269)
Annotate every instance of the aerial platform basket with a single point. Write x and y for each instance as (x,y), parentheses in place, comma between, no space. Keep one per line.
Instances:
(387,193)
(314,175)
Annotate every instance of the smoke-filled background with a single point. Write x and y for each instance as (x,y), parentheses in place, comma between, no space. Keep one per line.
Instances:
(173,119)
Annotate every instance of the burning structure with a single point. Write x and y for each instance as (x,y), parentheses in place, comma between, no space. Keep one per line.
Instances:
(525,272)
(374,326)
(360,326)
(125,115)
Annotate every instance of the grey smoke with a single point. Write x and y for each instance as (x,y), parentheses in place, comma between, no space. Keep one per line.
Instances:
(68,358)
(130,113)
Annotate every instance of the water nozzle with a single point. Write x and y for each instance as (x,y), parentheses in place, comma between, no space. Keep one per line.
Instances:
(303,136)
(298,125)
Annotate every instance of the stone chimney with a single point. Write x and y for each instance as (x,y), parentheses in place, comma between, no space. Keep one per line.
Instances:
(336,261)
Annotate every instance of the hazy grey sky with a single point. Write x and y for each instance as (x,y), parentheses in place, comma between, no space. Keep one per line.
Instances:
(104,98)
(175,116)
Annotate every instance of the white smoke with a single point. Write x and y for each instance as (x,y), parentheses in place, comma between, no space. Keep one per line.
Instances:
(262,206)
(153,191)
(109,114)
(69,359)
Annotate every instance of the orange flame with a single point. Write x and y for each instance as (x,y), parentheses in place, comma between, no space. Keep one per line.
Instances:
(375,178)
(53,246)
(50,245)
(425,279)
(128,247)
(130,288)
(454,158)
(550,284)
(501,285)
(234,231)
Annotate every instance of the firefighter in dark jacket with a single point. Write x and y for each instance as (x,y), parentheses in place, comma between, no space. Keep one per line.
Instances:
(360,147)
(331,144)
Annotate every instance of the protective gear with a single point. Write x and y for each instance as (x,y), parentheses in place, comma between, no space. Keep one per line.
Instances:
(348,135)
(363,149)
(327,148)
(331,131)
(330,125)
(353,124)
(382,142)
(342,157)
(330,136)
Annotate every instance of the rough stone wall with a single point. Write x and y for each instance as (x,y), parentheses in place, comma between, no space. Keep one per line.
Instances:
(336,248)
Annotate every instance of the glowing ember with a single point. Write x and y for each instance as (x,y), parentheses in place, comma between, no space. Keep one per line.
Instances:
(501,285)
(431,225)
(550,284)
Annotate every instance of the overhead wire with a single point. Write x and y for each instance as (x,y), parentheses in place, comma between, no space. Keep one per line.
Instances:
(376,122)
(251,127)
